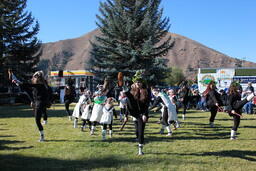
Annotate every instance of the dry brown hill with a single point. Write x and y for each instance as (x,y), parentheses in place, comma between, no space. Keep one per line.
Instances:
(187,54)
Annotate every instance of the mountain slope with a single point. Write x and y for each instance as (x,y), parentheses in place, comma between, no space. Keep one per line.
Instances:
(72,54)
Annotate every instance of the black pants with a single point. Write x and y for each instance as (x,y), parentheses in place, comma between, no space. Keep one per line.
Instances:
(38,111)
(109,126)
(139,130)
(164,118)
(236,120)
(67,103)
(238,105)
(45,114)
(185,105)
(88,122)
(213,110)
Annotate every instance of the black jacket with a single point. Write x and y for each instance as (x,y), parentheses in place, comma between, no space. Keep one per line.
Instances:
(212,98)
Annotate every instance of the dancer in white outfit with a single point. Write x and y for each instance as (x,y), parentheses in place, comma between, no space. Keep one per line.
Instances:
(169,114)
(97,110)
(78,110)
(87,112)
(107,117)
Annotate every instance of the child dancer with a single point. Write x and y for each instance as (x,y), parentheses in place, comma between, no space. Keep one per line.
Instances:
(107,117)
(168,110)
(122,104)
(97,110)
(86,115)
(174,100)
(78,110)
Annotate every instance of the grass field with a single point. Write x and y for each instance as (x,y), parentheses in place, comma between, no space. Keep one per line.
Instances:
(194,146)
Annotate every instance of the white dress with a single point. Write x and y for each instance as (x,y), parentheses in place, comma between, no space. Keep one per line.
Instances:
(172,114)
(107,116)
(87,112)
(97,108)
(77,109)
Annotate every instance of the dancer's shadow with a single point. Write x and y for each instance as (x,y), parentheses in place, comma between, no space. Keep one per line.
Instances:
(3,145)
(246,155)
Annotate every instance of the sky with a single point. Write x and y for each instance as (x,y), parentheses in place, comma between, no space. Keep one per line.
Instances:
(228,26)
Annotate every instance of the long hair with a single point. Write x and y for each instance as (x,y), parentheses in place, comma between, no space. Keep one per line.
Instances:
(140,94)
(208,89)
(233,89)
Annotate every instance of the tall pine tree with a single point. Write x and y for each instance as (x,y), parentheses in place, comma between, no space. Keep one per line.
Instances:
(131,39)
(19,46)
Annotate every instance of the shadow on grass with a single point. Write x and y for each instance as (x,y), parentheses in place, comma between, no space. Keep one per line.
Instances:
(18,162)
(25,111)
(3,144)
(246,155)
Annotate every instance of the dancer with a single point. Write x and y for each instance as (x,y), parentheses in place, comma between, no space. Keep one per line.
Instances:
(138,103)
(174,100)
(169,114)
(213,101)
(97,110)
(87,111)
(123,105)
(234,107)
(183,97)
(69,97)
(107,117)
(78,110)
(40,93)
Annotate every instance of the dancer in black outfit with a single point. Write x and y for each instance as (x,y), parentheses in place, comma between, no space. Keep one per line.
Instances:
(183,94)
(234,107)
(138,103)
(69,97)
(39,91)
(213,101)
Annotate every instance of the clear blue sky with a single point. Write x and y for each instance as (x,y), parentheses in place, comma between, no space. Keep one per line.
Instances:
(228,26)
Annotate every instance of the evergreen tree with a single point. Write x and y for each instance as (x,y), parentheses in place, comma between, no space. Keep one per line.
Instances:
(19,46)
(131,39)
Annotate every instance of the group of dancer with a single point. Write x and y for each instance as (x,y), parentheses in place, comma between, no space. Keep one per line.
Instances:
(135,100)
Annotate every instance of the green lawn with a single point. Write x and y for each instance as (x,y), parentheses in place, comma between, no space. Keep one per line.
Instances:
(194,146)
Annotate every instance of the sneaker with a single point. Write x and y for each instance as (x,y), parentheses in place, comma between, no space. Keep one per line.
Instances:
(233,138)
(140,153)
(183,117)
(212,124)
(169,134)
(44,122)
(41,138)
(161,131)
(92,132)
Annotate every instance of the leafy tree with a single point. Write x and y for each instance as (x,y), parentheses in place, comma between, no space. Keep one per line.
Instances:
(131,39)
(174,76)
(19,46)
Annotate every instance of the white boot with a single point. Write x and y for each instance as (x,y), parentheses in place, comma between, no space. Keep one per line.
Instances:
(92,130)
(177,124)
(233,135)
(104,134)
(250,97)
(140,149)
(41,136)
(70,118)
(75,122)
(169,131)
(110,133)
